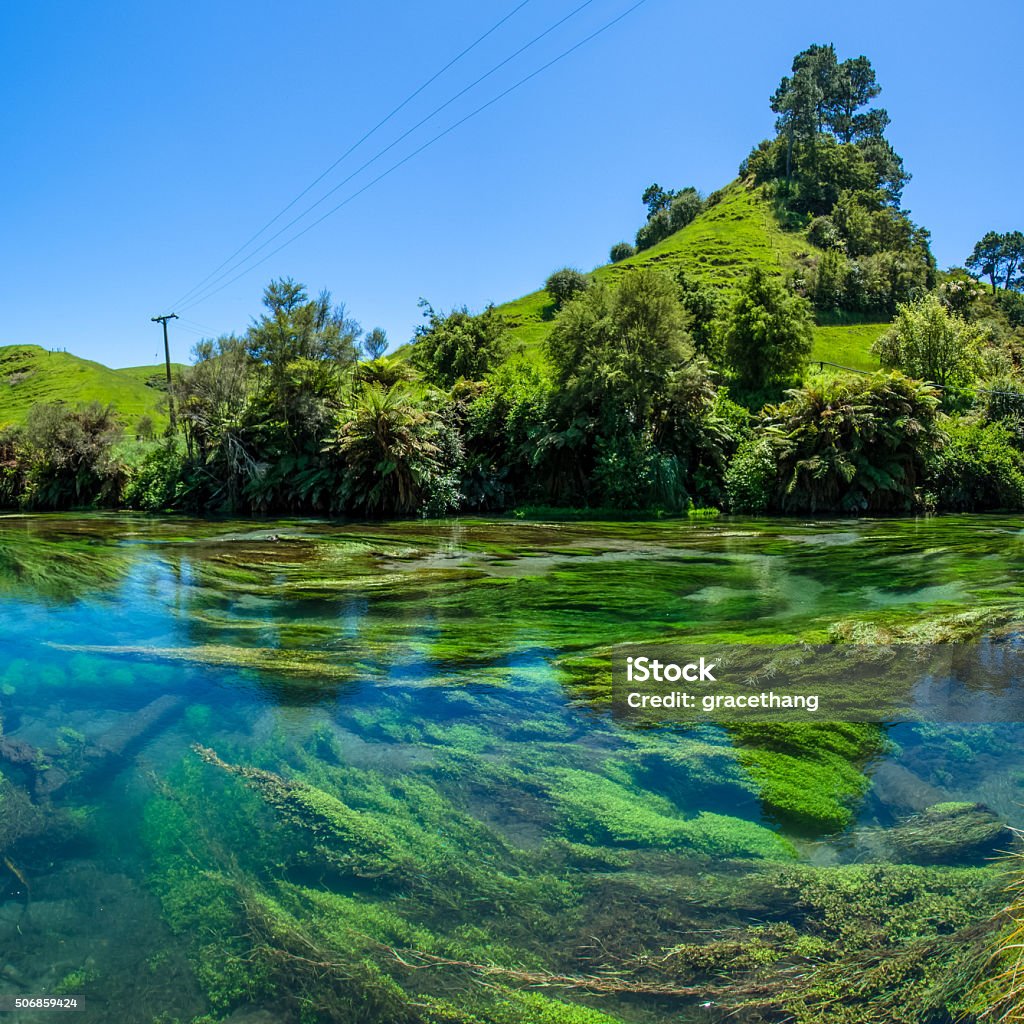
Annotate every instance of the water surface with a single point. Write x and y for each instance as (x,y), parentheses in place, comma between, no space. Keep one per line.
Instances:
(349,772)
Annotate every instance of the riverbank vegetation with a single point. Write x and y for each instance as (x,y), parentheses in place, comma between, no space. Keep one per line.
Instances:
(651,386)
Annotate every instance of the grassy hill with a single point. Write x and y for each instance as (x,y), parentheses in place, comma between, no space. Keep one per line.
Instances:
(738,231)
(720,247)
(30,374)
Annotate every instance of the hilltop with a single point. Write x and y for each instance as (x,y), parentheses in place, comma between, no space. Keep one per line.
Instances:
(30,374)
(740,229)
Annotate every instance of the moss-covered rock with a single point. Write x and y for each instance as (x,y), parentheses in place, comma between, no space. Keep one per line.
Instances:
(949,833)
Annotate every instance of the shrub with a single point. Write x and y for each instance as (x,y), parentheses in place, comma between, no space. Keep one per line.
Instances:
(847,444)
(750,478)
(156,472)
(978,469)
(658,226)
(824,234)
(621,251)
(394,451)
(70,454)
(458,344)
(930,342)
(565,284)
(767,332)
(685,207)
(830,280)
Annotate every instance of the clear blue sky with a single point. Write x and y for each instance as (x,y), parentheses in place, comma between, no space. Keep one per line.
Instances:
(144,142)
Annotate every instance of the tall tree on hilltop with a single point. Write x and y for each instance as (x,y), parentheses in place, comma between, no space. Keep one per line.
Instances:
(998,257)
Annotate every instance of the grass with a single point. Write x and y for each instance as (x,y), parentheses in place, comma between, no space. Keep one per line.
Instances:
(847,344)
(720,247)
(30,375)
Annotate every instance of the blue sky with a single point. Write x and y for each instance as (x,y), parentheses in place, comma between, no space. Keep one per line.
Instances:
(145,142)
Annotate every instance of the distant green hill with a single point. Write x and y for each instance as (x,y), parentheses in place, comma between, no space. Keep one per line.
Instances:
(737,232)
(30,374)
(720,247)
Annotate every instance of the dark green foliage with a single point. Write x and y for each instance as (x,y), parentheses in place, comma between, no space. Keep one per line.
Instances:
(767,332)
(1000,258)
(667,212)
(375,344)
(750,480)
(565,284)
(393,453)
(70,455)
(977,469)
(831,161)
(704,306)
(504,422)
(155,474)
(621,251)
(458,345)
(840,445)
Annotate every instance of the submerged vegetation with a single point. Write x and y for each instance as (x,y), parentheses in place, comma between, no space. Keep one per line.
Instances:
(369,773)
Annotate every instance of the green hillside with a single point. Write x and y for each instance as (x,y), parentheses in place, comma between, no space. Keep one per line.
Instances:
(737,232)
(30,374)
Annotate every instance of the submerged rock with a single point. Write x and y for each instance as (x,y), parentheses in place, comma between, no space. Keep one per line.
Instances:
(949,833)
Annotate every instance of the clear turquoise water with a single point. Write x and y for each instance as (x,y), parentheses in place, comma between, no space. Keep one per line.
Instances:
(439,679)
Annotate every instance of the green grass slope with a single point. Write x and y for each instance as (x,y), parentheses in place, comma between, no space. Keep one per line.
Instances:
(30,374)
(154,376)
(720,247)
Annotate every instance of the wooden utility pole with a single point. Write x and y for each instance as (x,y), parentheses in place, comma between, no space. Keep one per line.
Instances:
(167,362)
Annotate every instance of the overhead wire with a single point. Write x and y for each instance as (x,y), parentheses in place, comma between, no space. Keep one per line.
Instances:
(355,145)
(210,292)
(216,277)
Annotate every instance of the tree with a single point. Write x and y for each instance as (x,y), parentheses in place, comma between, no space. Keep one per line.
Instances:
(851,444)
(565,284)
(621,251)
(656,198)
(704,306)
(458,344)
(299,349)
(70,455)
(1013,256)
(855,87)
(986,259)
(375,344)
(767,332)
(611,351)
(686,205)
(999,257)
(930,342)
(388,442)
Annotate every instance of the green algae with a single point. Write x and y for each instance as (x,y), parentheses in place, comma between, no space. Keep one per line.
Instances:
(420,808)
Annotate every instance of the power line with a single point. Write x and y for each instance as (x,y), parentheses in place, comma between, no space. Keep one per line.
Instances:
(394,167)
(355,145)
(419,124)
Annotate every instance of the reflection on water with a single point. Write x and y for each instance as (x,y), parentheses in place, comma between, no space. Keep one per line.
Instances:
(319,772)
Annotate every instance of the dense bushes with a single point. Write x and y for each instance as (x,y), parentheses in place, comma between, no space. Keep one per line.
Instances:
(565,284)
(458,345)
(621,251)
(767,333)
(978,468)
(839,445)
(929,342)
(68,456)
(667,212)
